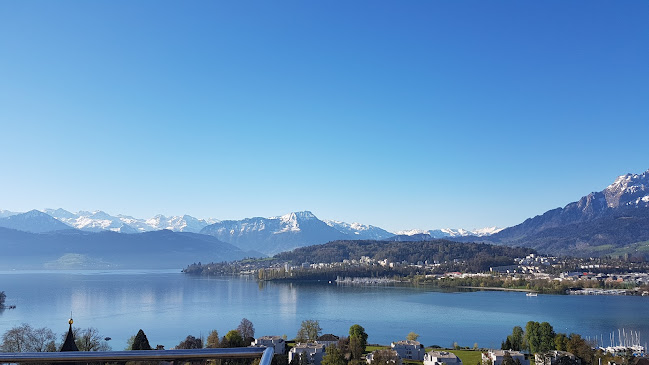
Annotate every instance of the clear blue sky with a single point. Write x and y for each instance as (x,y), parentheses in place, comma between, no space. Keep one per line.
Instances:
(401,114)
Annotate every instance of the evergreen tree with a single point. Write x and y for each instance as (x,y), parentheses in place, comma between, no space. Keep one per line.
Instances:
(140,342)
(333,356)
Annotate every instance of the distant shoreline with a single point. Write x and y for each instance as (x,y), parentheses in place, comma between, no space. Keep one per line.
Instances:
(496,288)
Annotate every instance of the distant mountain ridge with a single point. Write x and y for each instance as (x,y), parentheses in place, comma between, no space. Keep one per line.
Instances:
(33,221)
(267,235)
(75,249)
(597,224)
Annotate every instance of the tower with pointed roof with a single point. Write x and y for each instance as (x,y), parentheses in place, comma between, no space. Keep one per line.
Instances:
(69,344)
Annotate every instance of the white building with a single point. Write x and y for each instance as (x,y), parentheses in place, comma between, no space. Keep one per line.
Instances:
(313,352)
(275,342)
(411,350)
(441,357)
(496,357)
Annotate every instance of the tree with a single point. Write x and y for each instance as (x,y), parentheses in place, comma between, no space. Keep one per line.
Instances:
(140,342)
(385,357)
(355,348)
(89,339)
(546,337)
(246,329)
(309,331)
(190,342)
(3,296)
(580,348)
(212,340)
(561,342)
(357,338)
(333,356)
(532,336)
(515,340)
(412,336)
(24,338)
(232,339)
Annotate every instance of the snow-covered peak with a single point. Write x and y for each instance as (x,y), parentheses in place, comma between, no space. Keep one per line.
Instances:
(452,232)
(627,190)
(6,213)
(412,232)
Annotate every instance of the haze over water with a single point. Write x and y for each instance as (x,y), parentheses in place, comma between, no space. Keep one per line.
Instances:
(169,305)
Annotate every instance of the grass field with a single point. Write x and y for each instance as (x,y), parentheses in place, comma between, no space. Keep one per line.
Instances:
(468,357)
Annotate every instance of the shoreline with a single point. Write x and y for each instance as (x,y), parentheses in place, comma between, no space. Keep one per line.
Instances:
(496,288)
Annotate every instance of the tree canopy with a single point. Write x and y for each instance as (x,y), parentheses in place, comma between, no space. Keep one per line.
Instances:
(190,342)
(309,331)
(233,339)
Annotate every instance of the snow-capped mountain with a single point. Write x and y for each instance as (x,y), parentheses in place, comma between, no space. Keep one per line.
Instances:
(6,213)
(275,234)
(33,221)
(97,221)
(360,231)
(451,232)
(595,224)
(185,223)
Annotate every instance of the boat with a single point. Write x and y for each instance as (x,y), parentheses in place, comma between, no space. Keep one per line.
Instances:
(531,294)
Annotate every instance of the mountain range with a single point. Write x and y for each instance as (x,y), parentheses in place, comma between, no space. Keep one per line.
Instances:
(265,235)
(612,221)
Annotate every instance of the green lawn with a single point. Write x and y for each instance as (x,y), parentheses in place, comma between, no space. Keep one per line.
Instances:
(468,357)
(369,349)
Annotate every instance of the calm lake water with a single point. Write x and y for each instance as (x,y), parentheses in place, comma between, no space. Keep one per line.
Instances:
(169,305)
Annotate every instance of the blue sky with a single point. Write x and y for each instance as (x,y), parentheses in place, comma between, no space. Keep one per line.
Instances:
(417,114)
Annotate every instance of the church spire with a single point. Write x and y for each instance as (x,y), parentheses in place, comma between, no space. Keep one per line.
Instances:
(69,344)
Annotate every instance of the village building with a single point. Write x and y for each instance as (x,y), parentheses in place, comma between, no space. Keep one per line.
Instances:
(395,359)
(276,342)
(496,357)
(328,339)
(441,357)
(408,349)
(313,352)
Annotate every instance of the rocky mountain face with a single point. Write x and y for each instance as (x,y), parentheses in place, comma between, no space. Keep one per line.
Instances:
(615,216)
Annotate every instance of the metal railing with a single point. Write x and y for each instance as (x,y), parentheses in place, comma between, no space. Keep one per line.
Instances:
(266,355)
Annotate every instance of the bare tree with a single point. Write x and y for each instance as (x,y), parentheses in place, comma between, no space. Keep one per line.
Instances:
(246,329)
(89,339)
(24,338)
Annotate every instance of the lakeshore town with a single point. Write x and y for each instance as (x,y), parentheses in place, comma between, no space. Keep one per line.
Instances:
(533,274)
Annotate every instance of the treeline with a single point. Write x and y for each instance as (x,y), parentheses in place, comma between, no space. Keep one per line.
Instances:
(544,286)
(540,338)
(476,257)
(25,338)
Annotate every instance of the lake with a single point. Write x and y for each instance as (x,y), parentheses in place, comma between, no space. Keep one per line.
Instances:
(169,305)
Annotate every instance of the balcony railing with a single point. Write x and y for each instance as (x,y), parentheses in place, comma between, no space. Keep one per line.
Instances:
(266,355)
